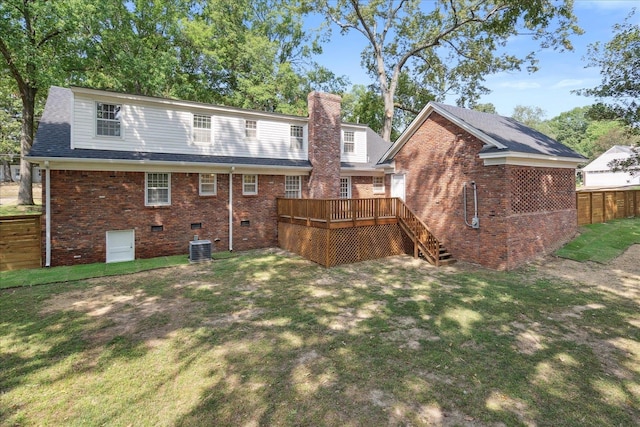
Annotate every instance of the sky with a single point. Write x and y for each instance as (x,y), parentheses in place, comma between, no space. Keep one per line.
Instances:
(549,88)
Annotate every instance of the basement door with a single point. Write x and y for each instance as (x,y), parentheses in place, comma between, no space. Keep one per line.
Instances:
(397,186)
(120,245)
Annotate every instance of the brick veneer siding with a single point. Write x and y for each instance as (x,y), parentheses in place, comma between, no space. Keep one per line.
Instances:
(362,187)
(87,204)
(324,136)
(519,219)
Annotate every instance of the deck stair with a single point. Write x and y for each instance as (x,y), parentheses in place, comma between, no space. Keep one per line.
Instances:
(425,244)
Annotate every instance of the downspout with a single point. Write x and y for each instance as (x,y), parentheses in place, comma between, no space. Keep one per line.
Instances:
(231,208)
(47,211)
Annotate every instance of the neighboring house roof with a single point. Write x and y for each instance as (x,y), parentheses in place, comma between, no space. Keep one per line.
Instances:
(503,137)
(617,152)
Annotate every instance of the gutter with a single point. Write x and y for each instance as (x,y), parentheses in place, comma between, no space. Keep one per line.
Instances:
(47,178)
(231,208)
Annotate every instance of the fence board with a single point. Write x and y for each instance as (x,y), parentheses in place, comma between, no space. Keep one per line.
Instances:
(20,242)
(601,206)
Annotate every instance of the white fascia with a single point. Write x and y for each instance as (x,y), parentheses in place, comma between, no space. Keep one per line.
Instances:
(526,159)
(165,166)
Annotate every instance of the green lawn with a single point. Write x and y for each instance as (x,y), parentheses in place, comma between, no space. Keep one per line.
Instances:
(263,338)
(602,242)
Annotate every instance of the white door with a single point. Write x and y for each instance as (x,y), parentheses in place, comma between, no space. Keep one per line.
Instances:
(120,245)
(397,186)
(345,187)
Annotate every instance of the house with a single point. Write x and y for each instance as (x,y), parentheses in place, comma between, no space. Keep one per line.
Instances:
(494,191)
(133,176)
(599,174)
(128,176)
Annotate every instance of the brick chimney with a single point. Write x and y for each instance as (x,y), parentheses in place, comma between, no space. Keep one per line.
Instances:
(324,145)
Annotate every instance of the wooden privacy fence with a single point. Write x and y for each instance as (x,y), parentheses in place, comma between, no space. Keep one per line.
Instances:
(596,206)
(20,242)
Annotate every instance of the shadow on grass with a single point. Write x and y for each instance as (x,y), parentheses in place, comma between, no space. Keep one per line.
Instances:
(264,339)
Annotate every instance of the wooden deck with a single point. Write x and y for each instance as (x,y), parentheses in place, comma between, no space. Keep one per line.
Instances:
(344,214)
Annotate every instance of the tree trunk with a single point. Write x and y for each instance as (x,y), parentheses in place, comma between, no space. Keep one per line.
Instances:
(6,170)
(387,123)
(25,193)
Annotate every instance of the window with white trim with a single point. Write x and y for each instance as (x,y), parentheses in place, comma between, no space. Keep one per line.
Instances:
(297,137)
(292,187)
(208,184)
(345,188)
(108,119)
(251,129)
(249,185)
(378,184)
(157,189)
(349,142)
(201,129)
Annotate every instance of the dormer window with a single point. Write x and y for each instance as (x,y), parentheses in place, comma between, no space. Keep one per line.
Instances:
(108,119)
(349,142)
(251,129)
(201,129)
(297,137)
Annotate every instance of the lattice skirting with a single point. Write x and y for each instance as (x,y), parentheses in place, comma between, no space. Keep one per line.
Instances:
(331,247)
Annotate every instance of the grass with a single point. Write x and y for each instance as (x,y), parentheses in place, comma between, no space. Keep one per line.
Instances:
(43,276)
(262,338)
(11,210)
(602,242)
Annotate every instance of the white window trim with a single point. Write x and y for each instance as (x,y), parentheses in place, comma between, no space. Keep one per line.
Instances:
(291,139)
(215,185)
(297,190)
(344,142)
(95,121)
(146,190)
(348,180)
(378,190)
(249,193)
(250,138)
(194,128)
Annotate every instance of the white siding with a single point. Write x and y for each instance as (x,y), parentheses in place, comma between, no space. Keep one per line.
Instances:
(359,154)
(151,128)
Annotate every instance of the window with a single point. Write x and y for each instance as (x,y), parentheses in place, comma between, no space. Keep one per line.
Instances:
(108,119)
(158,189)
(297,138)
(349,142)
(208,184)
(249,184)
(345,188)
(201,128)
(292,187)
(251,129)
(378,184)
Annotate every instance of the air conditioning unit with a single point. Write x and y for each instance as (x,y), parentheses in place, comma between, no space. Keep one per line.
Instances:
(200,250)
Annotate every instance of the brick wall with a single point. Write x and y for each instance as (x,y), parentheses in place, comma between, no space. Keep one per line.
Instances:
(518,220)
(324,145)
(362,187)
(86,204)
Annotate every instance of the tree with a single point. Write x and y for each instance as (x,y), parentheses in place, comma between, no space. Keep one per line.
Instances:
(38,44)
(450,46)
(10,107)
(486,108)
(530,116)
(619,90)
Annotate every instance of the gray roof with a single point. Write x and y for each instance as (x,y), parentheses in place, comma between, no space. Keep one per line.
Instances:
(376,147)
(513,135)
(53,140)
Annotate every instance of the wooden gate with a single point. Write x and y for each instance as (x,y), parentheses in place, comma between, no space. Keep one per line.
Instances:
(20,242)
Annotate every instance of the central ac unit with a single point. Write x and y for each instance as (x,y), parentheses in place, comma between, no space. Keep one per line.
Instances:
(200,250)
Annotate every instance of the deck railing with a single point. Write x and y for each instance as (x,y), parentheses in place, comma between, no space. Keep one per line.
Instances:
(338,213)
(342,213)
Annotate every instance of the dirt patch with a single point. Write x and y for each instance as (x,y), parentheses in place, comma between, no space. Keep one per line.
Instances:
(9,193)
(620,277)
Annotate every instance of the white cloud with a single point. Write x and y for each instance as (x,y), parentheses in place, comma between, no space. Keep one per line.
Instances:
(521,85)
(569,83)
